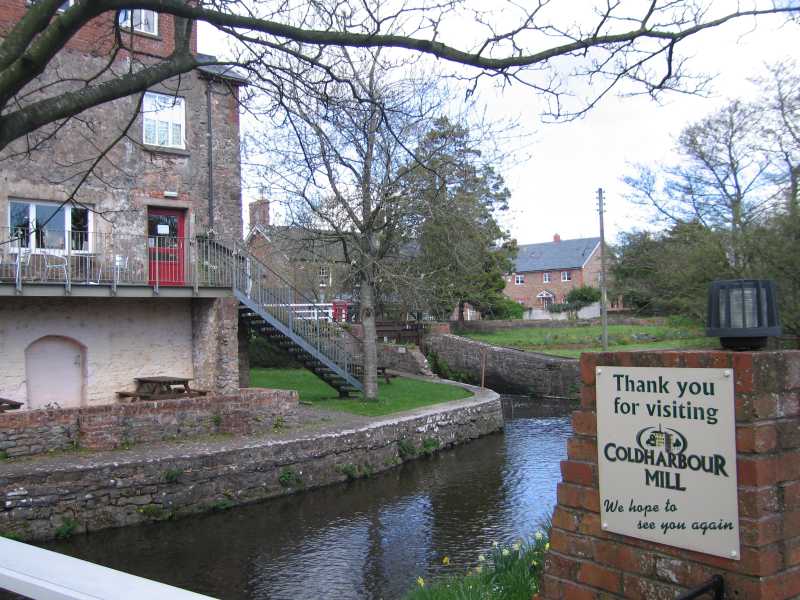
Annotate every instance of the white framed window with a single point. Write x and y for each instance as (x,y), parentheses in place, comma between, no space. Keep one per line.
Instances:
(566,275)
(519,279)
(545,277)
(139,19)
(324,276)
(163,120)
(46,226)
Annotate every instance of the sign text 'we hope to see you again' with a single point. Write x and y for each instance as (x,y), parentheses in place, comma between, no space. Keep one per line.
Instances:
(667,456)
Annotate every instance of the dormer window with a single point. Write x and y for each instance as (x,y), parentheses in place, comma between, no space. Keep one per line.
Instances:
(139,19)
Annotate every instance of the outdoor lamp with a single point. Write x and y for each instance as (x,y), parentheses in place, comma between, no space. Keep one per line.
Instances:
(743,313)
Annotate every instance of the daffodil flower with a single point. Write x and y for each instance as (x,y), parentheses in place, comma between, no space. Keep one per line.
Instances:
(547,546)
(446,561)
(538,536)
(516,547)
(505,552)
(478,569)
(420,581)
(494,544)
(481,558)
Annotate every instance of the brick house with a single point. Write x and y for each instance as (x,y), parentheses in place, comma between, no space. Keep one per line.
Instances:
(122,283)
(545,273)
(313,266)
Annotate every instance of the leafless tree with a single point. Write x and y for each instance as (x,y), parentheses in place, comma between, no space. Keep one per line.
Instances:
(527,43)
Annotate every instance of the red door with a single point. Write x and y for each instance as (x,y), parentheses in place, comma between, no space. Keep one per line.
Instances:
(166,246)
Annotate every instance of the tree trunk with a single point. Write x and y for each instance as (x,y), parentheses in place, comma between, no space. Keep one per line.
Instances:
(460,311)
(370,340)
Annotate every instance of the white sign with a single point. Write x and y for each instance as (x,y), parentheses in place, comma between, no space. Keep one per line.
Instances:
(162,229)
(666,445)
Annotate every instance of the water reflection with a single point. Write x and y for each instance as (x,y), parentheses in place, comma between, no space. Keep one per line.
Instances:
(367,539)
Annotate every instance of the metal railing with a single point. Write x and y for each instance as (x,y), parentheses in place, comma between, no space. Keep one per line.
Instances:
(110,259)
(263,289)
(715,586)
(30,257)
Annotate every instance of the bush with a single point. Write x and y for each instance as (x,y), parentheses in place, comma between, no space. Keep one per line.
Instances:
(585,295)
(290,478)
(504,309)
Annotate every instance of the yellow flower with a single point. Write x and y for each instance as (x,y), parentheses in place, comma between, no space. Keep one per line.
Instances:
(538,535)
(505,552)
(420,581)
(479,568)
(494,544)
(547,546)
(516,547)
(481,558)
(446,561)
(534,563)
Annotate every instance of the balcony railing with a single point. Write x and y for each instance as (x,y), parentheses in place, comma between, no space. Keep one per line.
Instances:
(111,259)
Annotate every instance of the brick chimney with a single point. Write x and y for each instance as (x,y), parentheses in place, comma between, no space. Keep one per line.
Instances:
(556,237)
(259,213)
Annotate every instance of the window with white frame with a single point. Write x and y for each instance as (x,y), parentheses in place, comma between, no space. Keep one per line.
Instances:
(545,277)
(139,19)
(163,120)
(519,279)
(566,275)
(46,226)
(324,276)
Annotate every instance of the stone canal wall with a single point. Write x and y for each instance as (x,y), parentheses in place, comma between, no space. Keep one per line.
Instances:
(508,370)
(33,432)
(584,561)
(56,496)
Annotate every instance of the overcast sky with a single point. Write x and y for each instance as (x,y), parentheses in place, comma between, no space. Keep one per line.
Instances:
(554,188)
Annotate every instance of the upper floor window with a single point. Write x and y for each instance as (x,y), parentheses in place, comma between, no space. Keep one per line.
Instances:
(519,279)
(48,225)
(566,275)
(163,120)
(324,276)
(545,277)
(139,19)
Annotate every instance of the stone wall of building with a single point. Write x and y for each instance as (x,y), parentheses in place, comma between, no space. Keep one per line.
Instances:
(586,562)
(507,370)
(125,488)
(34,432)
(215,344)
(124,339)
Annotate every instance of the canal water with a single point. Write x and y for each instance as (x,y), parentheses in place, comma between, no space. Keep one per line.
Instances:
(366,539)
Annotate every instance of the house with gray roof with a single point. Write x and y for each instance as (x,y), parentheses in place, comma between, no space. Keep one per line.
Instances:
(545,273)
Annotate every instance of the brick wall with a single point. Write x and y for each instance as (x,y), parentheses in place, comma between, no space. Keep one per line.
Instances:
(97,37)
(586,563)
(111,426)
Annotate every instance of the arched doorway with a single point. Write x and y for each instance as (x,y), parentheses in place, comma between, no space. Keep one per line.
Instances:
(55,369)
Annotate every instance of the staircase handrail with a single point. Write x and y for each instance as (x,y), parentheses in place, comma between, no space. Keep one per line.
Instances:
(336,347)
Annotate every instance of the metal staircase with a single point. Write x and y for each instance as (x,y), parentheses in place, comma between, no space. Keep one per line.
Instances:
(320,345)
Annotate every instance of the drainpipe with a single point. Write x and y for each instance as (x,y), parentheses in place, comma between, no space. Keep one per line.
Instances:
(210,142)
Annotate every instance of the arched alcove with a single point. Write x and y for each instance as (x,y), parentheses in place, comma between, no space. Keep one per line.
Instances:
(55,370)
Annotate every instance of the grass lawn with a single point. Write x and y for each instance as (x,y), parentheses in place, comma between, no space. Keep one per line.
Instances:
(571,341)
(399,395)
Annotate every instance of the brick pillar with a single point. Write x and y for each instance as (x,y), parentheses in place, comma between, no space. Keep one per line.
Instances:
(584,562)
(244,354)
(215,344)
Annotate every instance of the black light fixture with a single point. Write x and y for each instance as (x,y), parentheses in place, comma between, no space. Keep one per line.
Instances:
(743,313)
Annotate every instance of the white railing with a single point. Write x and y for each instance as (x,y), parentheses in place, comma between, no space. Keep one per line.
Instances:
(45,575)
(80,258)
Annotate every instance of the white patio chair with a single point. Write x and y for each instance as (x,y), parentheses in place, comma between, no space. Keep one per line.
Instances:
(54,262)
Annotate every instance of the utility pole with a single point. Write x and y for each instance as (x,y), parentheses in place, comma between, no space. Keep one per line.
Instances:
(603,287)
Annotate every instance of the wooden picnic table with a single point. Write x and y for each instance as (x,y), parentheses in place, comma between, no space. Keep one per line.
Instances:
(160,386)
